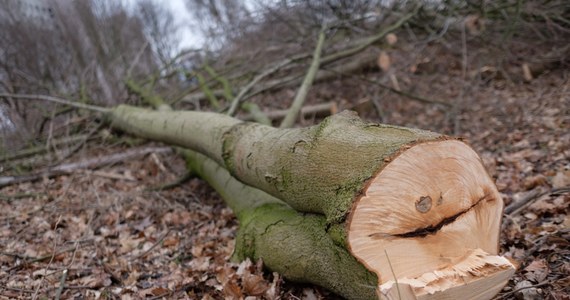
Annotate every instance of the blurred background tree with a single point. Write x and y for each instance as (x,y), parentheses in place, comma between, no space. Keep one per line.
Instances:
(88,50)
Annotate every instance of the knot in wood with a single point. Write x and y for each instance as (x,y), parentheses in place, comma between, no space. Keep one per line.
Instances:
(424,204)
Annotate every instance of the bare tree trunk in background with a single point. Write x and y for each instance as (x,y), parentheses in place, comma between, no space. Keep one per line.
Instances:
(86,44)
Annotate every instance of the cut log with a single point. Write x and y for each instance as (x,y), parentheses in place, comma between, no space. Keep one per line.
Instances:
(416,208)
(430,220)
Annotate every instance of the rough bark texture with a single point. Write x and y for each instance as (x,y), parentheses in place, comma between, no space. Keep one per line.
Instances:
(295,245)
(337,169)
(319,169)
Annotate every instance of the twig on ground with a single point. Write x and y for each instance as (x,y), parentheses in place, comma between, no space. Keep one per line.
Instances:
(404,94)
(40,149)
(61,284)
(152,247)
(79,145)
(20,196)
(184,178)
(52,256)
(546,282)
(38,259)
(325,109)
(85,164)
(17,289)
(517,207)
(169,293)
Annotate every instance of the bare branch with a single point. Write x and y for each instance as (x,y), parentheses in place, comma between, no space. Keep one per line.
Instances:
(307,82)
(56,100)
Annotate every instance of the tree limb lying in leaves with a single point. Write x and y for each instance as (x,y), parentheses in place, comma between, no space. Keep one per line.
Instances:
(384,193)
(365,210)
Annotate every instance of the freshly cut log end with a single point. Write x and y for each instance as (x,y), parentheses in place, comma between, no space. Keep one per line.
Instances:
(479,276)
(428,224)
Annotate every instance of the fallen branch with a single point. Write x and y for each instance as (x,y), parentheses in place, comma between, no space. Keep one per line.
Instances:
(370,188)
(517,207)
(255,113)
(42,149)
(86,164)
(321,109)
(289,119)
(207,91)
(353,66)
(158,242)
(323,61)
(395,91)
(55,100)
(371,40)
(256,79)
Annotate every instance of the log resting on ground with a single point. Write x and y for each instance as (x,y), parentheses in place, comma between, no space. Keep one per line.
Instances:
(415,208)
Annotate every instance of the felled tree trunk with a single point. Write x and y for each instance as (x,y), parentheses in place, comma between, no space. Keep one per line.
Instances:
(415,208)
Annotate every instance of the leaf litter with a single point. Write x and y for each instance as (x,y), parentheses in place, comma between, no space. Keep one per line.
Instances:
(116,239)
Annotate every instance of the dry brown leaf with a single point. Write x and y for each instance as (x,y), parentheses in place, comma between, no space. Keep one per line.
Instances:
(474,24)
(157,291)
(244,267)
(561,179)
(171,241)
(225,274)
(384,61)
(391,39)
(534,181)
(254,285)
(232,291)
(542,205)
(537,270)
(200,263)
(525,291)
(197,250)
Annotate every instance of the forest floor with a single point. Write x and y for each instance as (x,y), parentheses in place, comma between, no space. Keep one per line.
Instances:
(107,234)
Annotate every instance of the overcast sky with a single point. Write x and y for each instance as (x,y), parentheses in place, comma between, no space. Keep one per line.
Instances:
(188,38)
(183,19)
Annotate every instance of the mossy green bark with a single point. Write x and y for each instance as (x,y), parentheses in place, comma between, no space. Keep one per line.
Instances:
(301,247)
(319,169)
(296,245)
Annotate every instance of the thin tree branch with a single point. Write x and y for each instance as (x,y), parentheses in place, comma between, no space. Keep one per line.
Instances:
(56,100)
(371,40)
(307,83)
(405,94)
(256,79)
(86,164)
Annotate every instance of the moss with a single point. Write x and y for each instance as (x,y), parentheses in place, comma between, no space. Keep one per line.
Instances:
(337,232)
(299,247)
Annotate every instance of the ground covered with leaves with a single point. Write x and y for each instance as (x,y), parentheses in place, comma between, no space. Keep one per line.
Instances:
(112,233)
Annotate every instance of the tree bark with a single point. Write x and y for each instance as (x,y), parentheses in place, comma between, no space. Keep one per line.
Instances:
(296,245)
(416,208)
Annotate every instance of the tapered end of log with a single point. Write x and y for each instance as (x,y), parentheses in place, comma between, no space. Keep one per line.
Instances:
(428,225)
